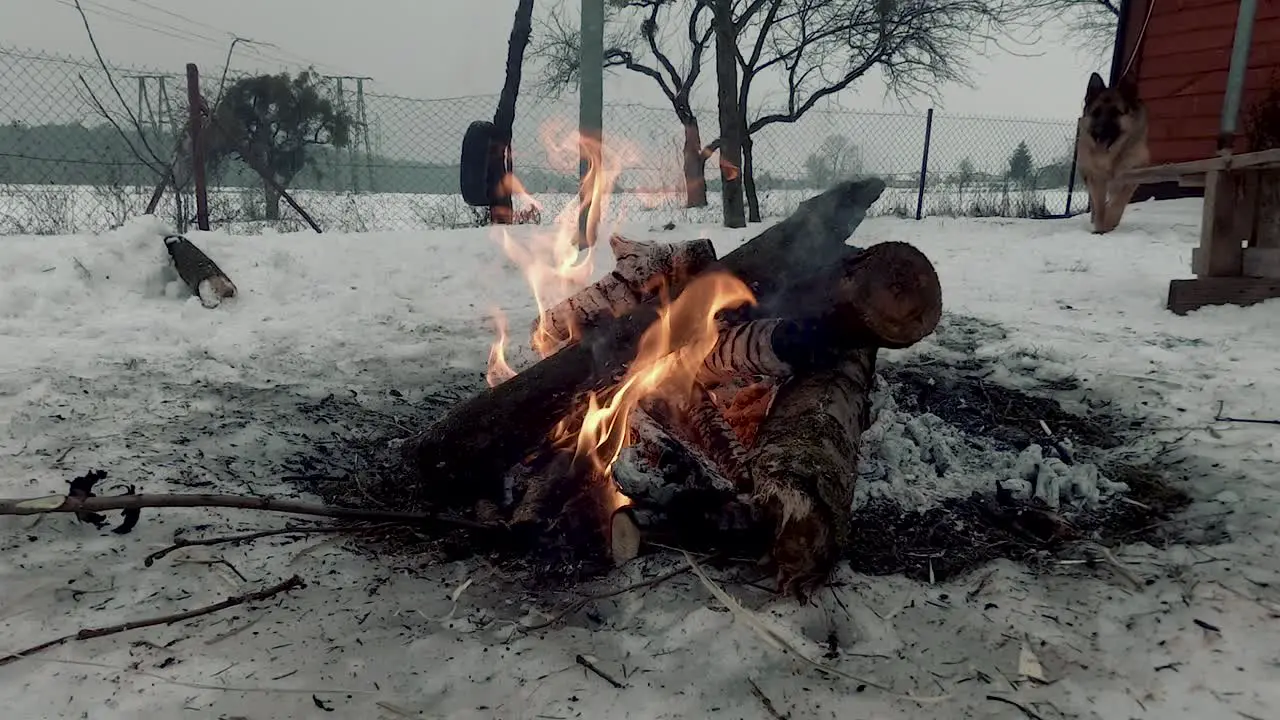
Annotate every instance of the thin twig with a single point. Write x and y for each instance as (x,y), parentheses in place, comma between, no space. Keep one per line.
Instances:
(90,633)
(582,602)
(222,539)
(765,701)
(137,126)
(67,504)
(1219,417)
(1025,710)
(600,673)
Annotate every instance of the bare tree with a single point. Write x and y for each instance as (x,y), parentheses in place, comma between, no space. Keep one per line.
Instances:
(643,37)
(1091,22)
(836,158)
(816,49)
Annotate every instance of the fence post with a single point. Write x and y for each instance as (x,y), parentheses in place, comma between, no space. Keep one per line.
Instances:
(1071,179)
(924,162)
(196,117)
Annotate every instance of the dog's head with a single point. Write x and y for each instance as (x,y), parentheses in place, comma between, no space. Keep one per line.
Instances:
(1109,110)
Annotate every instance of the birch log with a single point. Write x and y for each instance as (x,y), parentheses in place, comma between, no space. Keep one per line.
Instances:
(642,270)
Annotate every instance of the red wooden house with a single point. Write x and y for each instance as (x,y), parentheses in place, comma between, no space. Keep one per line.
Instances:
(1179,53)
(1201,66)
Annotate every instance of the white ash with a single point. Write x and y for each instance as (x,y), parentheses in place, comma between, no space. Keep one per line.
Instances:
(919,461)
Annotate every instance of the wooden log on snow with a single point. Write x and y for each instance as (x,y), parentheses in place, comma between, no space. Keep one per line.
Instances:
(804,467)
(199,272)
(641,271)
(462,457)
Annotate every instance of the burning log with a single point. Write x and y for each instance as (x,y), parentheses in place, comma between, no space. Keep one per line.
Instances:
(804,467)
(748,409)
(641,270)
(200,273)
(885,296)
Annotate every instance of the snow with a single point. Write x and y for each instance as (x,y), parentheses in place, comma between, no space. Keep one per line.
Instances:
(104,363)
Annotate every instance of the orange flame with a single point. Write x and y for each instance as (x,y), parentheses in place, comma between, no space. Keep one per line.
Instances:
(499,371)
(555,267)
(666,364)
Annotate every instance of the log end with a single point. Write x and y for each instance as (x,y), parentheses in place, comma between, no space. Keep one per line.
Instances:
(624,541)
(808,499)
(894,293)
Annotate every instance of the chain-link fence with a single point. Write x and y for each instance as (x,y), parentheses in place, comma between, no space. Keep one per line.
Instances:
(82,150)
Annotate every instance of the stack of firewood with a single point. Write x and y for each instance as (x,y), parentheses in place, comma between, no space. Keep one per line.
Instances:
(766,440)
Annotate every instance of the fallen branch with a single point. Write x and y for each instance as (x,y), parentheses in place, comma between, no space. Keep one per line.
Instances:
(90,633)
(181,543)
(68,504)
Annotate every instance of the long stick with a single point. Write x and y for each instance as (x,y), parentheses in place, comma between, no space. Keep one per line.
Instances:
(40,506)
(90,633)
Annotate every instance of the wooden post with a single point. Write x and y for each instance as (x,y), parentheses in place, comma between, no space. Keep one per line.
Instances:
(195,103)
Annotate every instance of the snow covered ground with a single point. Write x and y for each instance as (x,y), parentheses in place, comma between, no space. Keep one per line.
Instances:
(104,365)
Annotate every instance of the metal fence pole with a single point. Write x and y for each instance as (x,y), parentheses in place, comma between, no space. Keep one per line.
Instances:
(1071,178)
(924,163)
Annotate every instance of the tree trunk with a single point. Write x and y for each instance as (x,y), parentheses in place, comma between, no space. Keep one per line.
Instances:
(502,211)
(735,215)
(749,180)
(272,199)
(695,165)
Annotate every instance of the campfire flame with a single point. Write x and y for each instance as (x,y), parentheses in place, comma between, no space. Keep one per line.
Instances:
(555,267)
(499,371)
(666,364)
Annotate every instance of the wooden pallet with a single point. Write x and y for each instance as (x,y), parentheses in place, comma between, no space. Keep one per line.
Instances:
(1238,261)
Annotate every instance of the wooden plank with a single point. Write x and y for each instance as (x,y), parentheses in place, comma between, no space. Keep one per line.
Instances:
(1261,55)
(1172,171)
(1188,295)
(1261,262)
(1201,15)
(1194,39)
(1215,83)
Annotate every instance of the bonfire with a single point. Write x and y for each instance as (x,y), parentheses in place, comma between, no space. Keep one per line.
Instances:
(683,395)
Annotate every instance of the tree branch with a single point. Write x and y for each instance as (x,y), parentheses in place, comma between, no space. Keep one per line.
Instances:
(68,504)
(90,633)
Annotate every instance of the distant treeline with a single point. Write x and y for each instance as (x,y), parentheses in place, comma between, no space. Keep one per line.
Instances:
(98,155)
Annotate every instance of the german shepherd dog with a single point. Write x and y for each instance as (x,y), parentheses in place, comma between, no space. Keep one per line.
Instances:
(1111,139)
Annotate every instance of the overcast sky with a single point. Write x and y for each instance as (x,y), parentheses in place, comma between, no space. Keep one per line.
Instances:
(449,48)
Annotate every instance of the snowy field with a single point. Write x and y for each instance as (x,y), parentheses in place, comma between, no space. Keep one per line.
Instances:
(103,364)
(62,209)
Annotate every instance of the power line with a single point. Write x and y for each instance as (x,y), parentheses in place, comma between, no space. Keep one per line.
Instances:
(124,17)
(198,23)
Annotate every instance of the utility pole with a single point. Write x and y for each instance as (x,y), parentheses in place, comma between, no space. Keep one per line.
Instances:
(360,118)
(590,112)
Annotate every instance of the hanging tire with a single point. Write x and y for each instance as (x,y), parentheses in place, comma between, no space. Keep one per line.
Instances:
(485,162)
(477,178)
